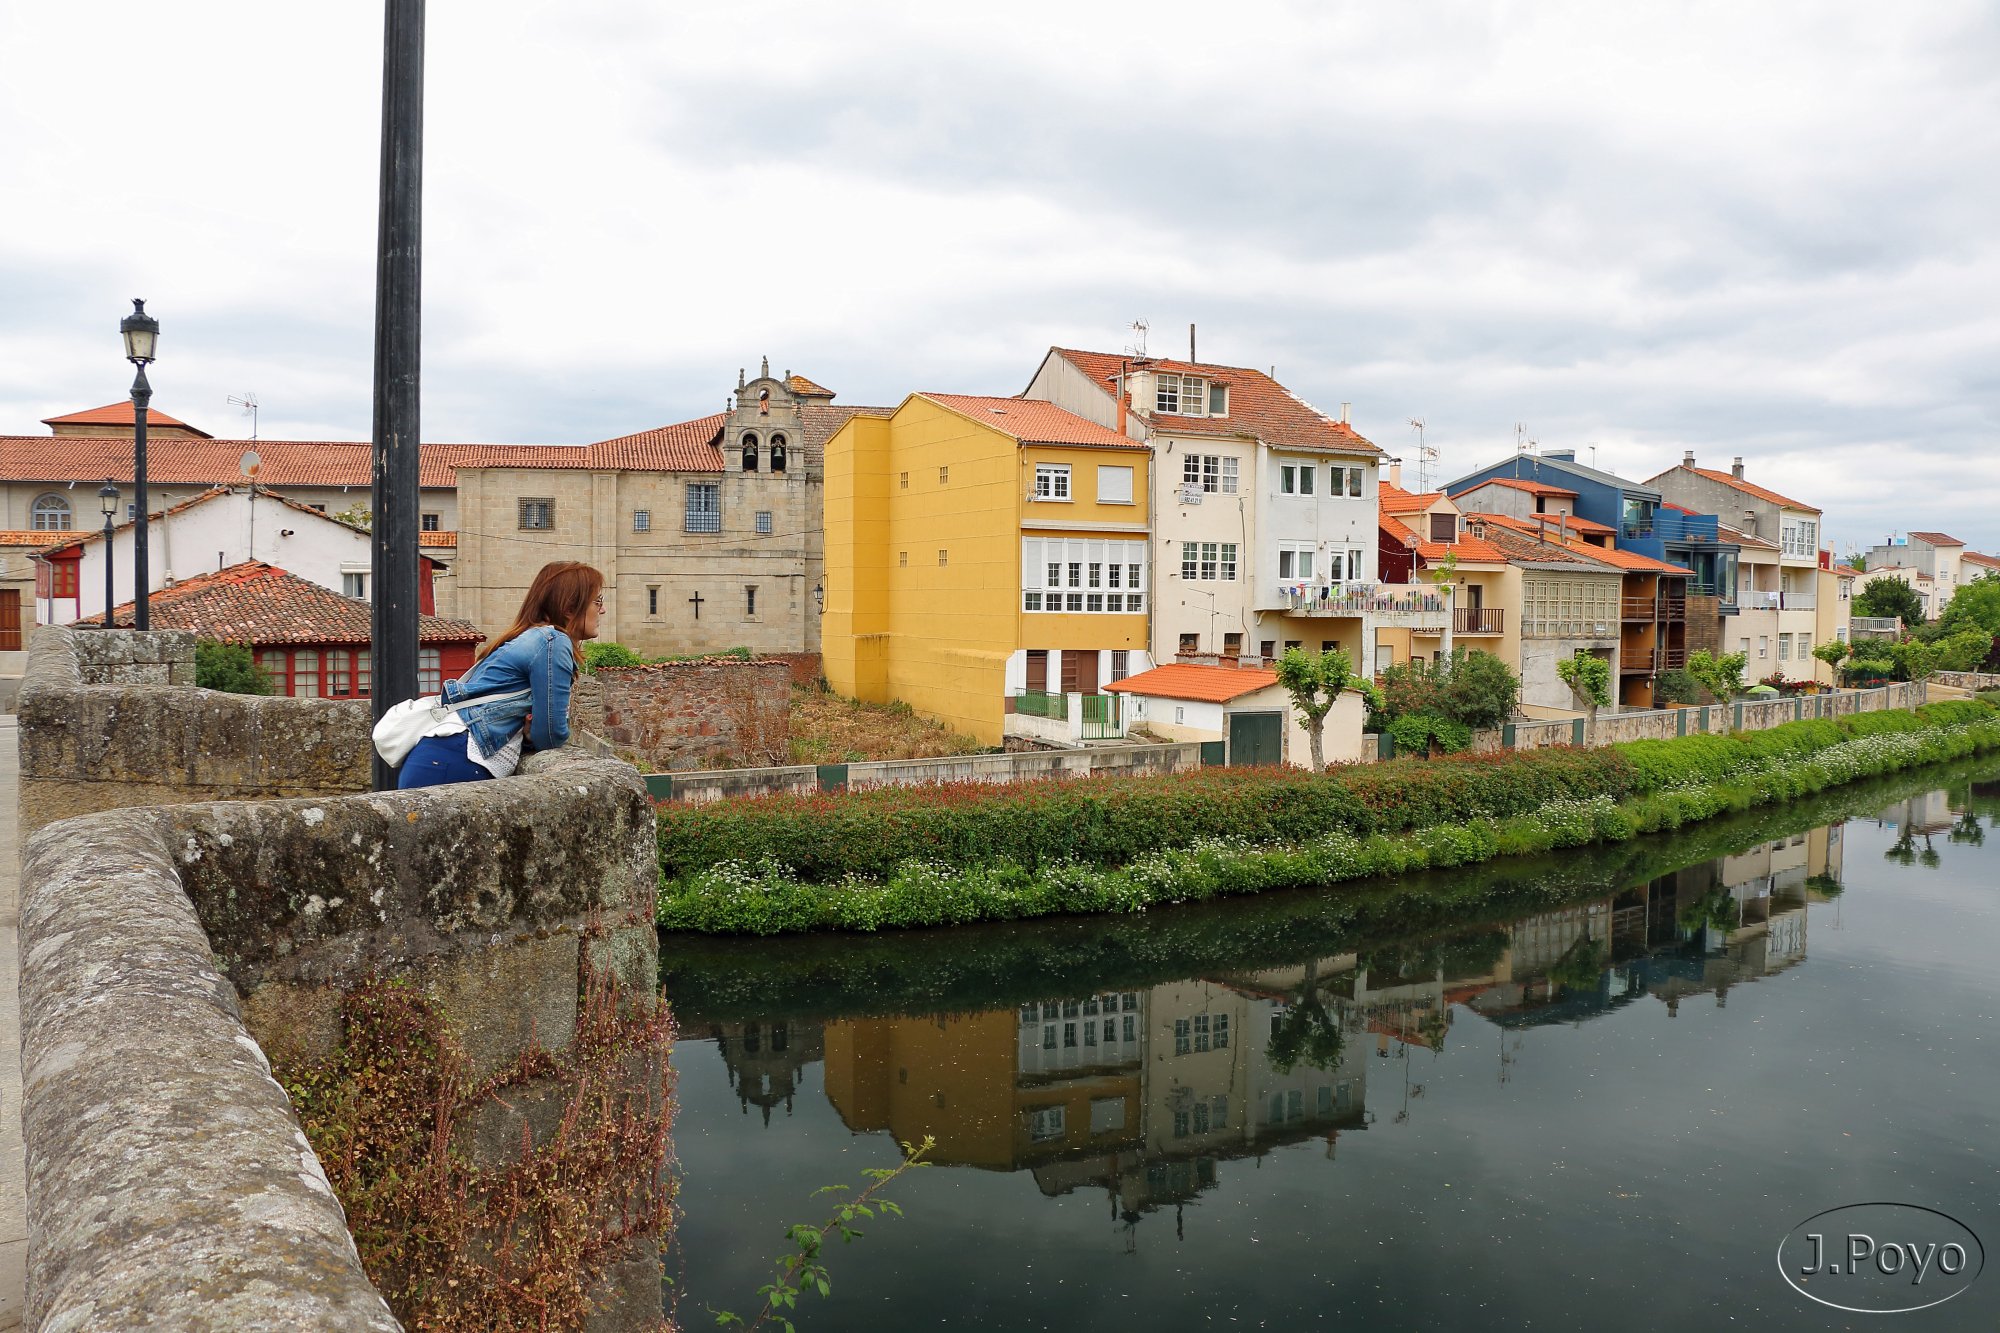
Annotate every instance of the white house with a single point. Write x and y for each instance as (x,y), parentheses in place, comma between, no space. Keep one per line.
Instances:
(221,527)
(1243,706)
(1265,528)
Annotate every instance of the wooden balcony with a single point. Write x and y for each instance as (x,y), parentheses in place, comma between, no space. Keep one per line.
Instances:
(1478,620)
(1638,608)
(1647,661)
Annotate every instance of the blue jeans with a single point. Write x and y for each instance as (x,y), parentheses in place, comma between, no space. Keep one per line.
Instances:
(437,760)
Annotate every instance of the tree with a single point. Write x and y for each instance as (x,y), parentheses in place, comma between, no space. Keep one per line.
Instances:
(1892,596)
(357,514)
(1964,650)
(1589,679)
(229,667)
(1976,605)
(1720,674)
(1309,1031)
(1914,660)
(1833,652)
(1480,689)
(1315,681)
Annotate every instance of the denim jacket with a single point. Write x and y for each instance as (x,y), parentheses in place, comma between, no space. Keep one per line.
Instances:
(541,661)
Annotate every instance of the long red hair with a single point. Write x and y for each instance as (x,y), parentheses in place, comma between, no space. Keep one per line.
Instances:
(560,595)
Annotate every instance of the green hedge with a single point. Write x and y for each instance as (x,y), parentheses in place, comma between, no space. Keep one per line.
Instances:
(769,897)
(1111,821)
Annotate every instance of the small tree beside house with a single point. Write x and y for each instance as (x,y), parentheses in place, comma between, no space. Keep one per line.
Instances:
(1589,679)
(1314,681)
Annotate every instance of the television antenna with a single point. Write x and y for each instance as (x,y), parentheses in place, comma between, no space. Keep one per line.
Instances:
(1140,328)
(1427,454)
(248,402)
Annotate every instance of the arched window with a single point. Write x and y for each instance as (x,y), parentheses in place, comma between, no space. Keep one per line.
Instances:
(749,453)
(777,453)
(51,514)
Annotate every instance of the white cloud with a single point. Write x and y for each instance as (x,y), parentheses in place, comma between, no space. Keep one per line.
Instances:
(1743,229)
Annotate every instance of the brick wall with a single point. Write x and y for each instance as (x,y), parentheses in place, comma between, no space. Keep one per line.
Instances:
(677,716)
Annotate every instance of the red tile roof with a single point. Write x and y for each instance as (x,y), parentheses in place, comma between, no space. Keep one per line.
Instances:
(1935,539)
(448,540)
(1849,572)
(1205,684)
(799,384)
(1975,558)
(1400,530)
(1032,421)
(1395,500)
(261,604)
(1470,550)
(1516,484)
(685,446)
(1258,404)
(1747,487)
(93,458)
(23,537)
(119,414)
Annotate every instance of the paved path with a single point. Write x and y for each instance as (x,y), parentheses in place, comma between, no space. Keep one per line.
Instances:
(13,1171)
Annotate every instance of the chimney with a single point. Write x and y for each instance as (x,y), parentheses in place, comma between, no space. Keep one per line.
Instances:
(1687,458)
(1736,468)
(1343,412)
(1121,398)
(1396,473)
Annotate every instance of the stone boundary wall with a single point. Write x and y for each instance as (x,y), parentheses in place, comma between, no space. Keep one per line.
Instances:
(1668,723)
(169,1185)
(1112,761)
(1967,680)
(675,716)
(109,719)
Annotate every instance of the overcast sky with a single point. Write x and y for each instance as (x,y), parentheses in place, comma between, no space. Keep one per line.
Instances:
(1769,230)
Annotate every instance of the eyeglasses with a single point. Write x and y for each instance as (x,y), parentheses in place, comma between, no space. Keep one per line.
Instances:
(599,603)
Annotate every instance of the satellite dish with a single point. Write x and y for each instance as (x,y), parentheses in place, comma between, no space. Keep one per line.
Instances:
(251,464)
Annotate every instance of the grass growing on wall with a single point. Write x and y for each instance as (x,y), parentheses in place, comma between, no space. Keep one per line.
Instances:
(903,857)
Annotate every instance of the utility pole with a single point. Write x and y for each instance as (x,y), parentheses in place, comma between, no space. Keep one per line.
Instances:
(398,348)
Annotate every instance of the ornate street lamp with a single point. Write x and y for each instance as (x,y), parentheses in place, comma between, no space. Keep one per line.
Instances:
(107,500)
(142,337)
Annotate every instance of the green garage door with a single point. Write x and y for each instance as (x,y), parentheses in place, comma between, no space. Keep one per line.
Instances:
(1256,738)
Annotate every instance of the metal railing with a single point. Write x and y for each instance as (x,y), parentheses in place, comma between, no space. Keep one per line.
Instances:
(1102,718)
(1765,599)
(1041,703)
(1478,620)
(1360,599)
(1887,627)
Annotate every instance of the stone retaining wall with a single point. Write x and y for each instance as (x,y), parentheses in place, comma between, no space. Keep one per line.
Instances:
(1968,680)
(169,1185)
(108,720)
(1110,761)
(676,716)
(1667,723)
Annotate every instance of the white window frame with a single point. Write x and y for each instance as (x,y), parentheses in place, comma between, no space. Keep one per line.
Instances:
(1052,481)
(1296,478)
(1083,574)
(1291,557)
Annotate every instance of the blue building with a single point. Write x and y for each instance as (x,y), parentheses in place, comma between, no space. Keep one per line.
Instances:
(1634,512)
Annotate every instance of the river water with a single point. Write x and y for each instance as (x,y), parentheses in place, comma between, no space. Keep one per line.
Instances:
(1593,1091)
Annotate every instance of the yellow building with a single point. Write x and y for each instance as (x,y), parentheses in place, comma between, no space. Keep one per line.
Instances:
(986,563)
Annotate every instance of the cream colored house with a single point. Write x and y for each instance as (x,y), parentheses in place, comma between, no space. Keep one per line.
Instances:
(1245,707)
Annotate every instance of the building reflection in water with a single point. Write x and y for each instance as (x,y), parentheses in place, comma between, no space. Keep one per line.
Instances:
(1143,1093)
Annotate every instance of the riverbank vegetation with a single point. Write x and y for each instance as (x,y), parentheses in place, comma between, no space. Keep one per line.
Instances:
(897,857)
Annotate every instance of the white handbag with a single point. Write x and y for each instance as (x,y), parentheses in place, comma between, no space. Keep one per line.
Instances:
(410,721)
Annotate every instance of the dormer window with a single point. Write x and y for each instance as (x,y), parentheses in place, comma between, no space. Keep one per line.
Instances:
(777,453)
(749,453)
(1189,396)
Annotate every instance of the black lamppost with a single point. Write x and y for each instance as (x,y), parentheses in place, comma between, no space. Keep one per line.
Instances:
(107,500)
(142,336)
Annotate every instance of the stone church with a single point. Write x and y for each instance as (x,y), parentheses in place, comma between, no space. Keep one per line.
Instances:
(710,532)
